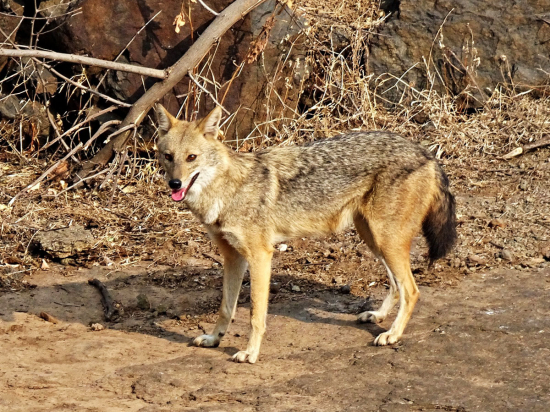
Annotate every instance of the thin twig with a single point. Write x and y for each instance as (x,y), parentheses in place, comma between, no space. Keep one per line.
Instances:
(207,92)
(82,123)
(208,8)
(89,61)
(100,131)
(54,126)
(72,12)
(46,173)
(78,183)
(104,96)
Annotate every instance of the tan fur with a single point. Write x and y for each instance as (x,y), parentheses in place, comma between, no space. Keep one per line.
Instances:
(250,201)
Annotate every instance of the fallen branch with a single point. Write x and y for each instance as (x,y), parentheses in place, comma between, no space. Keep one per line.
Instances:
(110,308)
(527,148)
(47,317)
(88,61)
(223,22)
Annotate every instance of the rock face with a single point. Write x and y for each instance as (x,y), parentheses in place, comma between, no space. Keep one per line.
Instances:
(9,22)
(469,45)
(105,29)
(31,116)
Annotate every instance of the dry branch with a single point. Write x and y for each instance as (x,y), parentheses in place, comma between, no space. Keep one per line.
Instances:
(527,148)
(89,61)
(223,22)
(110,308)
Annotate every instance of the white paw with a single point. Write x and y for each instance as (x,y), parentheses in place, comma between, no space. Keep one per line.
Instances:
(386,338)
(372,317)
(244,356)
(208,341)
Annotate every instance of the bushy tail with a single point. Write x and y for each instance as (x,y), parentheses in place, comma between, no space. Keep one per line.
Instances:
(439,226)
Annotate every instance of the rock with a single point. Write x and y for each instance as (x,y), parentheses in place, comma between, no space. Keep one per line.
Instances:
(523,185)
(283,247)
(44,80)
(143,302)
(13,108)
(345,289)
(534,262)
(275,287)
(54,8)
(506,254)
(64,243)
(496,223)
(93,33)
(96,327)
(10,24)
(44,265)
(162,309)
(476,260)
(497,41)
(296,288)
(545,250)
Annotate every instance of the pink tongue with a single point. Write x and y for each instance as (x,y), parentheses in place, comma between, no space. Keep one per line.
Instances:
(177,195)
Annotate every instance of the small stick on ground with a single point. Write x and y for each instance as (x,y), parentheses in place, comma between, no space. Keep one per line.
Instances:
(110,308)
(47,317)
(527,148)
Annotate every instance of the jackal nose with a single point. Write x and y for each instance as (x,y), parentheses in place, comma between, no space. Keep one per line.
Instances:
(175,184)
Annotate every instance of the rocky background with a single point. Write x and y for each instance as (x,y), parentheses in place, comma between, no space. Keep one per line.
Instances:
(461,48)
(465,47)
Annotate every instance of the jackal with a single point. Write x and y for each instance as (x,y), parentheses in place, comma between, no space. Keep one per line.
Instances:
(385,185)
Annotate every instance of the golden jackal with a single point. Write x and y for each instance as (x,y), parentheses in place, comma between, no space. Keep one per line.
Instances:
(387,186)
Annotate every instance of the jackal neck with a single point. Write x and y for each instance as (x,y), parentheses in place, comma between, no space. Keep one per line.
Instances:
(224,181)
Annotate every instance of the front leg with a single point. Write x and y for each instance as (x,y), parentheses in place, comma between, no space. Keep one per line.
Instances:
(260,274)
(234,266)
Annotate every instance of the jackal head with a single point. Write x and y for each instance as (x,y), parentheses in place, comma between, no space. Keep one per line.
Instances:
(188,152)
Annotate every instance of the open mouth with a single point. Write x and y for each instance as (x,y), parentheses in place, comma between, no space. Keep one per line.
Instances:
(179,194)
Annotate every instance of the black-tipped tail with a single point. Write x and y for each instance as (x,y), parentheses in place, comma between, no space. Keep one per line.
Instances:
(439,226)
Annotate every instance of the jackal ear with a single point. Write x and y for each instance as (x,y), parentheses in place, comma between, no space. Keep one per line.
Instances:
(165,119)
(211,123)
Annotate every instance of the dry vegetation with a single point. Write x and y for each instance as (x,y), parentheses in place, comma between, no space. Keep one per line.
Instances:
(503,205)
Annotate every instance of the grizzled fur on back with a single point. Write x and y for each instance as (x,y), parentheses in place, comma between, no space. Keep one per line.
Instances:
(324,169)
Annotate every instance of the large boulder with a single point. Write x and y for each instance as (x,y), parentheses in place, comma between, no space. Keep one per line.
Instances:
(106,29)
(468,47)
(10,20)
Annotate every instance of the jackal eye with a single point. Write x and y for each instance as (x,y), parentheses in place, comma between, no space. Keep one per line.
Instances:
(169,157)
(191,157)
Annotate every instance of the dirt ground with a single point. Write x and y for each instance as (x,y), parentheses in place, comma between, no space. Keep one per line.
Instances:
(478,339)
(482,345)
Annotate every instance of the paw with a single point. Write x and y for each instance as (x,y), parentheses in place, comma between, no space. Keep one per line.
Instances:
(386,338)
(371,317)
(245,356)
(208,341)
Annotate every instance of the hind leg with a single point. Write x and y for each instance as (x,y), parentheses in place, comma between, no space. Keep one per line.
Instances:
(393,247)
(378,316)
(398,263)
(391,299)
